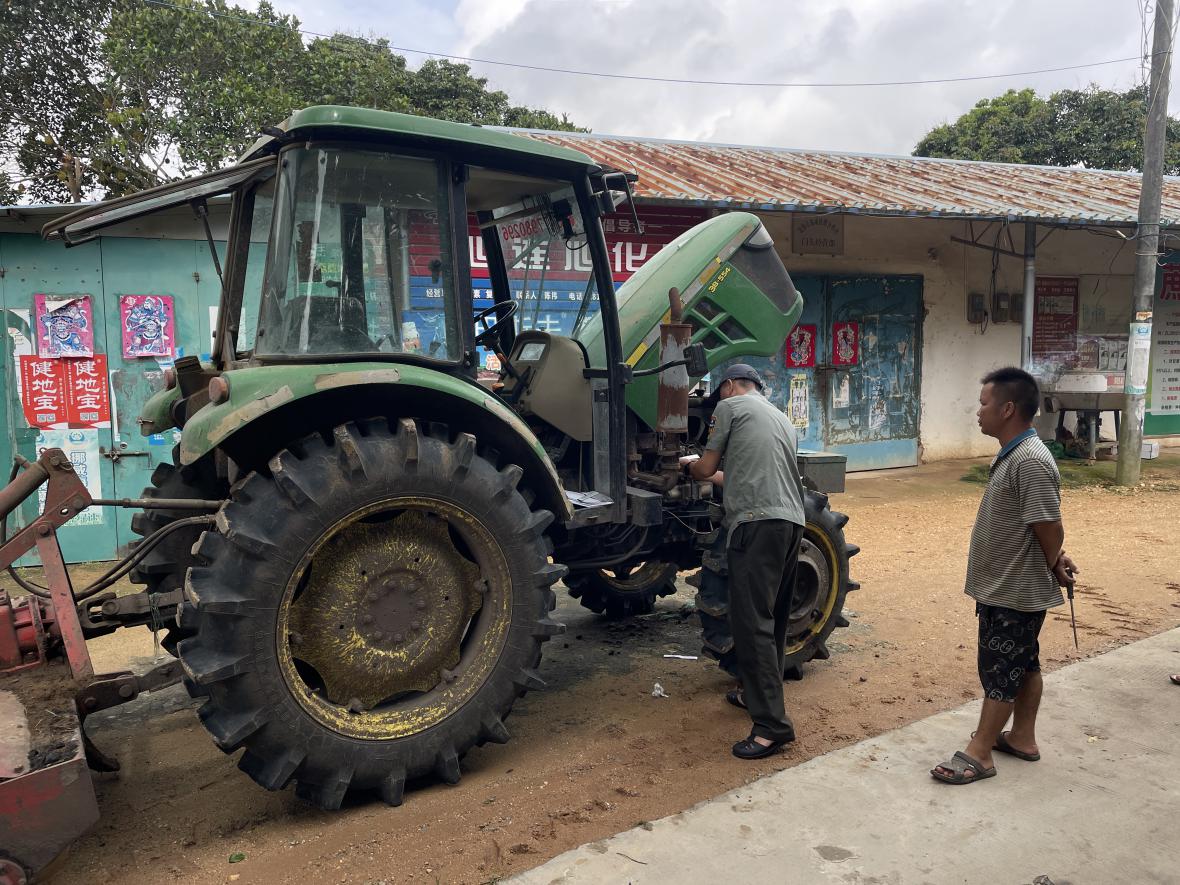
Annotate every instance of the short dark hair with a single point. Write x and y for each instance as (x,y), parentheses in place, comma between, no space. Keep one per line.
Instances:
(1017,387)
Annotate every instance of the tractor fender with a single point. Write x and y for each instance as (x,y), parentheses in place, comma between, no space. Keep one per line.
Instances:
(156,414)
(268,406)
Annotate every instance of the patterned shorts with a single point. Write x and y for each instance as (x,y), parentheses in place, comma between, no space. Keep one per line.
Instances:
(1008,649)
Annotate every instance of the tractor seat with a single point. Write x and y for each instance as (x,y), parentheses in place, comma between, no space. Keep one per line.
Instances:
(335,325)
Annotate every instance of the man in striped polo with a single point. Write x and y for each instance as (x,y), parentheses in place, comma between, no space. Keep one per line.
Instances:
(1015,571)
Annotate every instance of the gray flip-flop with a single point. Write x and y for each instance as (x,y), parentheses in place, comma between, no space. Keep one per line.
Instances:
(960,764)
(1003,746)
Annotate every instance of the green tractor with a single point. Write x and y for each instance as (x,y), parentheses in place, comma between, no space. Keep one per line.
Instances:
(376,588)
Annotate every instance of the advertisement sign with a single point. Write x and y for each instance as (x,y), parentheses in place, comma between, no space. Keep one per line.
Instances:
(1055,316)
(800,404)
(1165,361)
(1138,356)
(817,234)
(81,447)
(65,393)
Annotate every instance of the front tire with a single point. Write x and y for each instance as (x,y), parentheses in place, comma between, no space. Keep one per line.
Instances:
(164,567)
(367,610)
(624,590)
(818,604)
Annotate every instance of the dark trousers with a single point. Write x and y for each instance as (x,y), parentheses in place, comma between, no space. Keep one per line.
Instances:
(763,560)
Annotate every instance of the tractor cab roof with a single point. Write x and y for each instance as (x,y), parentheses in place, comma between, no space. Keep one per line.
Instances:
(476,144)
(427,133)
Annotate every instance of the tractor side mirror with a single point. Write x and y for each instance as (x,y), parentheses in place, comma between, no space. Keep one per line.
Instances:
(696,361)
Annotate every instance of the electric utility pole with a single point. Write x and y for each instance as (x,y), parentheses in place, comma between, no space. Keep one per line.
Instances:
(1146,249)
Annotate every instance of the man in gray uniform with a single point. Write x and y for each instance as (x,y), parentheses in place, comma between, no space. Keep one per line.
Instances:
(764,520)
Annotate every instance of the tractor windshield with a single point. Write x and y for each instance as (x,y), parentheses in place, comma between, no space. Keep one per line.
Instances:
(361,258)
(546,254)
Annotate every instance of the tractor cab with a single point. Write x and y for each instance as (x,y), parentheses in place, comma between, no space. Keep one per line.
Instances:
(352,239)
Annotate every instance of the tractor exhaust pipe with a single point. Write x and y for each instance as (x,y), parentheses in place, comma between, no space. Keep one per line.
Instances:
(675,336)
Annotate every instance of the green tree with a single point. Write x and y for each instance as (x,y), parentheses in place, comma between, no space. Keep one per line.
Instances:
(1092,127)
(54,93)
(104,97)
(199,78)
(348,70)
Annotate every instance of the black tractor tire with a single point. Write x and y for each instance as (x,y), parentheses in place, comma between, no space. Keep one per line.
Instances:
(163,569)
(625,590)
(257,573)
(820,590)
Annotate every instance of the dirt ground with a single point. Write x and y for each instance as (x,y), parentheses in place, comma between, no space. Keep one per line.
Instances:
(596,753)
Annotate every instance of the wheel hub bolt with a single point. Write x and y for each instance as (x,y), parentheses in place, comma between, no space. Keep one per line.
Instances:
(366,619)
(415,626)
(378,636)
(420,605)
(397,637)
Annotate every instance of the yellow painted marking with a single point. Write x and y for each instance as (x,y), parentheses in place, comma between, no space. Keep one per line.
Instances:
(637,355)
(710,269)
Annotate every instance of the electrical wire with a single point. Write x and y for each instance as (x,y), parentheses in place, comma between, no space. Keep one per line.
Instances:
(686,525)
(647,79)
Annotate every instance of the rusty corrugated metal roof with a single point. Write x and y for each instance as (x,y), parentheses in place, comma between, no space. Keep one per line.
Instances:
(757,178)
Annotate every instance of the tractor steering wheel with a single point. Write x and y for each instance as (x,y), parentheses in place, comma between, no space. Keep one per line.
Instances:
(490,331)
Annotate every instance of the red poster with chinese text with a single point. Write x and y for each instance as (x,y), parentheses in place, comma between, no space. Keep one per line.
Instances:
(73,392)
(800,348)
(43,391)
(88,398)
(845,344)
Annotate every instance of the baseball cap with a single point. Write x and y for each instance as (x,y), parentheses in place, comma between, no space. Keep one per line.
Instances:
(736,372)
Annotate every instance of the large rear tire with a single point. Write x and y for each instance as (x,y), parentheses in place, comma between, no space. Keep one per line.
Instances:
(818,605)
(164,567)
(367,610)
(624,590)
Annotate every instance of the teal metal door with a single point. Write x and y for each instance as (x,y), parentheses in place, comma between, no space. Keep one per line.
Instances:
(182,269)
(118,460)
(873,400)
(848,374)
(32,266)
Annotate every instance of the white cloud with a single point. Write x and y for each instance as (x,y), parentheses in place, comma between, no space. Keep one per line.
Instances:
(762,40)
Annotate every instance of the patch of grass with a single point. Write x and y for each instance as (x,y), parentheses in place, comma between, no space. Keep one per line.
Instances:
(1161,474)
(977,473)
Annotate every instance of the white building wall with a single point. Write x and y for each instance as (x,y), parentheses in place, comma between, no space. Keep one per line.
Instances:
(955,353)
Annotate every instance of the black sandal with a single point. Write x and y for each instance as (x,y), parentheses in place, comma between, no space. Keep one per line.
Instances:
(751,749)
(734,696)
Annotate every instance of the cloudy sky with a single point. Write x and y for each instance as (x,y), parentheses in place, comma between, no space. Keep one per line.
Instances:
(764,41)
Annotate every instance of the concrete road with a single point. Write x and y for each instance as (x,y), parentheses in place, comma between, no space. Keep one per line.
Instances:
(1102,805)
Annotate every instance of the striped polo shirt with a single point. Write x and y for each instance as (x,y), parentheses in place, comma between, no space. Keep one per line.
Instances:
(1005,566)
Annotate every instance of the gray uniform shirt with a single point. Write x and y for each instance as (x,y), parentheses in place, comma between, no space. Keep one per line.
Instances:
(1006,566)
(757,442)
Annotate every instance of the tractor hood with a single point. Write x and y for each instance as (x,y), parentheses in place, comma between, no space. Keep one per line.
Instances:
(737,295)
